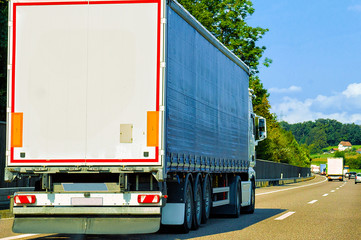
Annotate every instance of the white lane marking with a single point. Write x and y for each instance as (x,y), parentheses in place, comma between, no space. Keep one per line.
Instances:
(324,195)
(286,215)
(313,201)
(258,194)
(18,236)
(332,190)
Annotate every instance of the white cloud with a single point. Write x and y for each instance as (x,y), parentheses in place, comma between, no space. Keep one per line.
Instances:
(353,90)
(356,8)
(292,110)
(285,90)
(344,107)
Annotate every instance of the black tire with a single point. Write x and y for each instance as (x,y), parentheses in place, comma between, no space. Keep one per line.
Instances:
(189,207)
(198,202)
(250,209)
(207,199)
(237,197)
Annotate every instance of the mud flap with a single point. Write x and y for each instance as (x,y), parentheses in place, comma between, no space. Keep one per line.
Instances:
(173,214)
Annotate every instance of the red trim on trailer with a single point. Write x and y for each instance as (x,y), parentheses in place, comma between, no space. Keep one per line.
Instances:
(12,160)
(158,57)
(13,75)
(124,2)
(13,62)
(49,3)
(84,2)
(86,160)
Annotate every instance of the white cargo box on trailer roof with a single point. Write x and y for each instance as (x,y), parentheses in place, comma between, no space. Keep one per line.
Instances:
(85,83)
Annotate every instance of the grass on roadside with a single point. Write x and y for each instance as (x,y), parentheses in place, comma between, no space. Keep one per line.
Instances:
(319,161)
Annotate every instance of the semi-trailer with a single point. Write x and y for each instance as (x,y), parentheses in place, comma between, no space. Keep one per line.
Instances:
(334,169)
(323,169)
(131,114)
(315,168)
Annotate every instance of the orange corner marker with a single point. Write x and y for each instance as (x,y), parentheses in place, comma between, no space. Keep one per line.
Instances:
(16,129)
(153,129)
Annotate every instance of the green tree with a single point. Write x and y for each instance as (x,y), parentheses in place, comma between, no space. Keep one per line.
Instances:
(353,161)
(335,132)
(281,146)
(339,154)
(318,139)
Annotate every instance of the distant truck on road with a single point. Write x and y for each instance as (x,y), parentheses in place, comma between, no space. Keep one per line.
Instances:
(131,113)
(323,169)
(315,168)
(335,169)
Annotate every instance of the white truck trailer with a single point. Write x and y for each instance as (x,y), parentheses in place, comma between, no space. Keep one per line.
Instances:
(131,114)
(335,169)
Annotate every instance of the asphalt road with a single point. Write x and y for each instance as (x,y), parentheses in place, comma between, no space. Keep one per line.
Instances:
(316,209)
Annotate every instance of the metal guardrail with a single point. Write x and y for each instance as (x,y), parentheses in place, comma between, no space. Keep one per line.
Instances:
(272,170)
(277,182)
(5,192)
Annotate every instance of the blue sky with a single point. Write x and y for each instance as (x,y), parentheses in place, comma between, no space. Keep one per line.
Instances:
(315,46)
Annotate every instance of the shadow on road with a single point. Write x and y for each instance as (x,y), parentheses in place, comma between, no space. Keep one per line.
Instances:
(214,226)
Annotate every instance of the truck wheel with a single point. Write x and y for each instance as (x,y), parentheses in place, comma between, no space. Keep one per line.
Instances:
(197,219)
(189,207)
(250,209)
(207,199)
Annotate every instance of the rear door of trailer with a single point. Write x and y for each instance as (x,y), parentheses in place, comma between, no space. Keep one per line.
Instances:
(84,82)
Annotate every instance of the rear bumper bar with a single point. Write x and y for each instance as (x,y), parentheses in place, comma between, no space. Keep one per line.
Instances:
(335,177)
(86,225)
(100,213)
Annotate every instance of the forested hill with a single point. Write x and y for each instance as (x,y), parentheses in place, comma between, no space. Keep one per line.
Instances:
(323,133)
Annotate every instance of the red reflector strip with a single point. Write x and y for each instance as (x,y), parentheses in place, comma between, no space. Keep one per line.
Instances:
(148,198)
(24,199)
